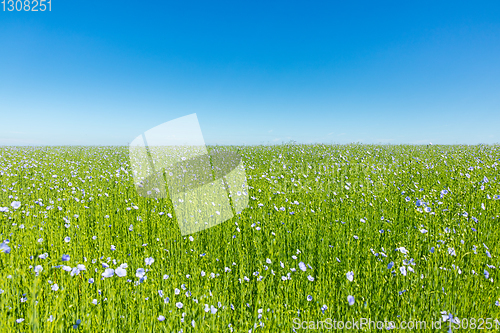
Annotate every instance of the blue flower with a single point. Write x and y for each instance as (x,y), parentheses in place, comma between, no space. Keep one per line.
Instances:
(78,322)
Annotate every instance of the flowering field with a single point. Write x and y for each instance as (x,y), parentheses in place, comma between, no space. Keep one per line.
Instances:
(332,231)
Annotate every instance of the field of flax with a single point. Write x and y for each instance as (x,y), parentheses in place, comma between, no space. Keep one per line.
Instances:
(331,231)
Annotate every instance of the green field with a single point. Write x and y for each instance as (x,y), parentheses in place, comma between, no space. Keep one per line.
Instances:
(418,227)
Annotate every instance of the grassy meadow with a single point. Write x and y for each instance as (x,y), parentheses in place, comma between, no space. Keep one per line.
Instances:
(386,232)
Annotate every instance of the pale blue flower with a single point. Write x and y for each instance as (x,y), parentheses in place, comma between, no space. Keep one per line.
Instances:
(109,272)
(302,266)
(140,273)
(4,248)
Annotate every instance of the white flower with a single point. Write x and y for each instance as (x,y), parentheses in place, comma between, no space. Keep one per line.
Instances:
(109,272)
(38,269)
(402,250)
(149,261)
(54,287)
(350,276)
(16,205)
(120,272)
(161,318)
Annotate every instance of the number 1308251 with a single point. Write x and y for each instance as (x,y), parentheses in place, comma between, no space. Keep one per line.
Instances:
(26,5)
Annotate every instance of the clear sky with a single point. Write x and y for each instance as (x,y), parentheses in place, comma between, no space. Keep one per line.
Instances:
(254,72)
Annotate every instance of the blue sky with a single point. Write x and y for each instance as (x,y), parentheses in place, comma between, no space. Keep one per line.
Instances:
(254,72)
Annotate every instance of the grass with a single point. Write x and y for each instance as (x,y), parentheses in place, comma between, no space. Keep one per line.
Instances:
(336,208)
